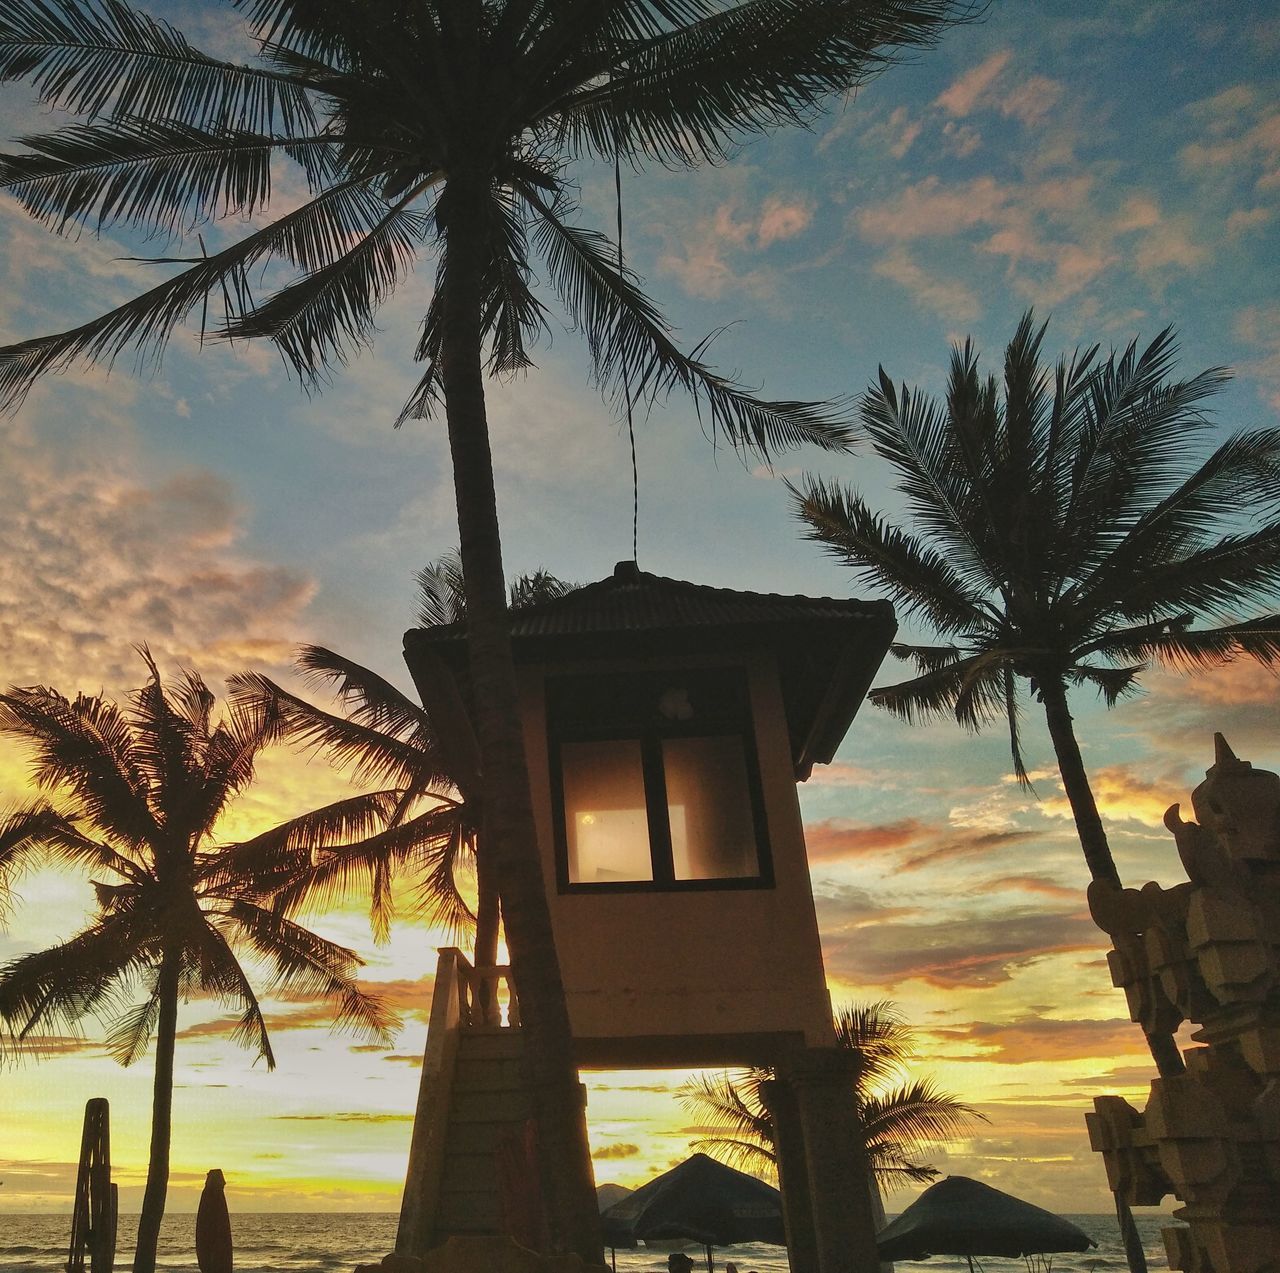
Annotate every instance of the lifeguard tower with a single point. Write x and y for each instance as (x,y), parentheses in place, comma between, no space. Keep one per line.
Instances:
(666,725)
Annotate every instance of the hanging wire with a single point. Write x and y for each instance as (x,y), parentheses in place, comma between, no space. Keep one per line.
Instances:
(626,377)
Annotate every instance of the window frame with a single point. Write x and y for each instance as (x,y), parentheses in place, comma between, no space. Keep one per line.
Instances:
(733,717)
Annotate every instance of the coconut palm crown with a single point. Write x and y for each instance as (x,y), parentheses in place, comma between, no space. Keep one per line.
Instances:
(1069,532)
(140,792)
(404,116)
(901,1118)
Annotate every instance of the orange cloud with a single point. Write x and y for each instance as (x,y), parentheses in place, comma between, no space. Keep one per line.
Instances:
(1123,795)
(949,953)
(965,94)
(781,219)
(1039,1039)
(1030,884)
(836,839)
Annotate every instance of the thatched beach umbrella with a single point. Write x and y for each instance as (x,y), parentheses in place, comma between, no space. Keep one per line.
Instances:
(700,1200)
(959,1216)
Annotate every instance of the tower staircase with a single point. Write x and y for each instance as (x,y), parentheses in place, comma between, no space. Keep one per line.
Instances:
(468,1154)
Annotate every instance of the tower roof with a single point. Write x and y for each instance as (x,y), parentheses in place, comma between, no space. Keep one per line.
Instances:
(828,649)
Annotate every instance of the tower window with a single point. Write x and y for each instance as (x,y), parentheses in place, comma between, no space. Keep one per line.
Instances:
(655,781)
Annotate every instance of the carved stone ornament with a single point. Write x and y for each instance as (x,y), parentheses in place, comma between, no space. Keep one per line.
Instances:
(1206,951)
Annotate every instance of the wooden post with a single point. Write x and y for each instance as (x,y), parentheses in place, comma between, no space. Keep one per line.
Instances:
(93,1220)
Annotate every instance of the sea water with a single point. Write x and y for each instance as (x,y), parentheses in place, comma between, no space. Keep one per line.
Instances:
(317,1241)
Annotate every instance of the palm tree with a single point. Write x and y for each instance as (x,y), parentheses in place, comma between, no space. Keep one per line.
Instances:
(1070,535)
(393,742)
(145,788)
(900,1123)
(455,123)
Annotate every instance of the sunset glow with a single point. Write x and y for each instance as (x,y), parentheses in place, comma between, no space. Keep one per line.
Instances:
(1117,168)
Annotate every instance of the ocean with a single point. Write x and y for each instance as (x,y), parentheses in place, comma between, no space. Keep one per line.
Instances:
(281,1243)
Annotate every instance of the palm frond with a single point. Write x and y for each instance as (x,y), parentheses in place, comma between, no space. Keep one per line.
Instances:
(939,475)
(1112,683)
(1211,581)
(1194,650)
(86,747)
(107,59)
(89,974)
(365,739)
(160,176)
(312,237)
(917,1115)
(318,320)
(931,696)
(132,1028)
(433,845)
(307,964)
(442,594)
(37,834)
(913,574)
(1239,480)
(366,697)
(695,88)
(273,859)
(219,973)
(627,339)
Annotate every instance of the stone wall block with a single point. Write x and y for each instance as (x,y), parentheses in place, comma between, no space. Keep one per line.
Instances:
(1225,932)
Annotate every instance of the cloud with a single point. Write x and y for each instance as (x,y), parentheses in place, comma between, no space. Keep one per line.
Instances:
(620,1149)
(975,86)
(1131,1077)
(836,840)
(702,256)
(951,953)
(945,297)
(1240,136)
(953,848)
(353,1116)
(1032,100)
(1037,884)
(1258,326)
(842,773)
(92,562)
(930,208)
(1039,1039)
(1122,795)
(782,219)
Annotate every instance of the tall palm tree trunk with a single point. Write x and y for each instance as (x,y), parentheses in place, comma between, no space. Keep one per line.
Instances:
(1093,836)
(153,1198)
(510,837)
(487,907)
(1084,809)
(1097,853)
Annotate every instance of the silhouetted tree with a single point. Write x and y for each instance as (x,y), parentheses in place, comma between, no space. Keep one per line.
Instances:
(419,121)
(427,809)
(901,1118)
(1067,535)
(142,790)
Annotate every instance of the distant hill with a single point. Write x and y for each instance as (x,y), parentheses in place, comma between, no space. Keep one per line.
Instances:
(607,1195)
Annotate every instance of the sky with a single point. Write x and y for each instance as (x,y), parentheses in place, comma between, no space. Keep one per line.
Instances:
(1116,166)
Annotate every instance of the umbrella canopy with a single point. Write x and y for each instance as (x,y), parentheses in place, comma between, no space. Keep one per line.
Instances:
(701,1200)
(959,1216)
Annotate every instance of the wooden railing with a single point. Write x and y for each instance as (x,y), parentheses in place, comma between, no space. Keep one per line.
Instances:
(486,996)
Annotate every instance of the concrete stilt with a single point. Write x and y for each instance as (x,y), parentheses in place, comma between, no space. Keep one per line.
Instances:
(793,1175)
(839,1192)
